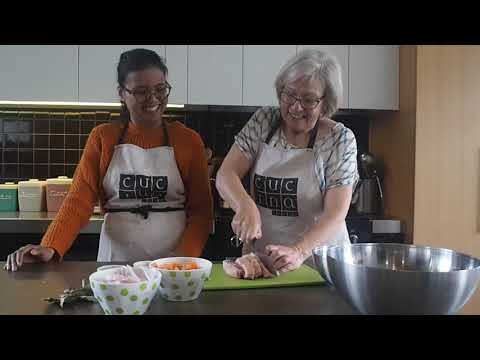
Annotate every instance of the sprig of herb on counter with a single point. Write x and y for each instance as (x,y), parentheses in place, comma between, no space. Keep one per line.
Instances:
(68,296)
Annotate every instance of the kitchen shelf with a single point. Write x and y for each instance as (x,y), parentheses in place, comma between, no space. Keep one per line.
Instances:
(31,222)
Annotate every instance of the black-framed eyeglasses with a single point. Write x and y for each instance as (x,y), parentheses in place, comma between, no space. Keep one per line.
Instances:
(160,92)
(309,103)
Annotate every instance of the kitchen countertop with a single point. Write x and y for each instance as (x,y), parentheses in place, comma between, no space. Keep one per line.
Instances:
(24,222)
(23,290)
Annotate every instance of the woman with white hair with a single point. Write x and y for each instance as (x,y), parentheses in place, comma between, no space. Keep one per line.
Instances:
(302,166)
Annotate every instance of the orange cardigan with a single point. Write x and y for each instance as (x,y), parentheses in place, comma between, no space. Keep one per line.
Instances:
(87,188)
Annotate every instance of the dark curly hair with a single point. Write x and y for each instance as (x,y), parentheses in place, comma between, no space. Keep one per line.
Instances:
(136,60)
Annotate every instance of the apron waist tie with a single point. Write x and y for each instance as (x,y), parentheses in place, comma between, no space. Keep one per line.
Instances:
(144,210)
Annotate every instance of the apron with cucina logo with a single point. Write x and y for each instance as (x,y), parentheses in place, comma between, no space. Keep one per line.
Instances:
(145,216)
(287,193)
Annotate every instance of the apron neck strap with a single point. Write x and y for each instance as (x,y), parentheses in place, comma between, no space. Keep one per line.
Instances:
(276,125)
(165,134)
(274,128)
(313,135)
(122,134)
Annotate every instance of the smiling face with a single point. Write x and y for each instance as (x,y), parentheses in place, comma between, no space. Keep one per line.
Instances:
(138,94)
(297,118)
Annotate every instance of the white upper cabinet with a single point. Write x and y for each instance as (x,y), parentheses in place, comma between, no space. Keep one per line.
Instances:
(39,72)
(341,53)
(374,73)
(97,71)
(261,64)
(177,60)
(215,74)
(199,74)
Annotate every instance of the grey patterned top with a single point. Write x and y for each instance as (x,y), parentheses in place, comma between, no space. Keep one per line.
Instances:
(335,153)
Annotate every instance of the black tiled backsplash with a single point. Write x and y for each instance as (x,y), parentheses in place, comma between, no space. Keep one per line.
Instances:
(56,170)
(40,141)
(83,141)
(41,156)
(43,144)
(57,141)
(25,156)
(42,126)
(70,170)
(11,141)
(72,125)
(57,126)
(40,171)
(72,142)
(25,141)
(71,156)
(24,126)
(10,156)
(219,126)
(26,171)
(10,126)
(57,156)
(10,171)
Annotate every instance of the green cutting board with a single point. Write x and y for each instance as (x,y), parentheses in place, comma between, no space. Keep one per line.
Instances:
(303,276)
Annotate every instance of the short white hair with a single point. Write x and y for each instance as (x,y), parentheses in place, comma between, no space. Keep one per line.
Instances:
(314,64)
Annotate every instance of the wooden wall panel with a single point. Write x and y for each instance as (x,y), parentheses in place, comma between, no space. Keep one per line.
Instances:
(392,140)
(448,148)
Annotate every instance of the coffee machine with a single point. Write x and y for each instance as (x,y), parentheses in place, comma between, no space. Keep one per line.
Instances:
(367,198)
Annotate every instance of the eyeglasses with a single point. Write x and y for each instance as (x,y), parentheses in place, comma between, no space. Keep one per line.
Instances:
(307,103)
(141,95)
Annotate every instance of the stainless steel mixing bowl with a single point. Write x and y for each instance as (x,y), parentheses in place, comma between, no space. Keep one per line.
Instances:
(399,278)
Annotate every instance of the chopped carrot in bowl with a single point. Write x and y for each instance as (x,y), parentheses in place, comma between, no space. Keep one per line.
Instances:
(177,266)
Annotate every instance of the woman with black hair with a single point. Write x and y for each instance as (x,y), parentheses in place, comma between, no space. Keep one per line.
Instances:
(150,176)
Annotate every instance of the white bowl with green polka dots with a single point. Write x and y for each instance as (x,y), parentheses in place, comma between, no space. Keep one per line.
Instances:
(182,285)
(124,298)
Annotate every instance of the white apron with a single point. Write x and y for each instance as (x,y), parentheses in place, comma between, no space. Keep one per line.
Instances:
(145,216)
(287,192)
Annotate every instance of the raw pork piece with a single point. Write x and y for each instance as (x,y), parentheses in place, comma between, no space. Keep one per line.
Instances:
(249,266)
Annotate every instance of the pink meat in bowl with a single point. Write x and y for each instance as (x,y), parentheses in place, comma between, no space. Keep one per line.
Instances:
(123,291)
